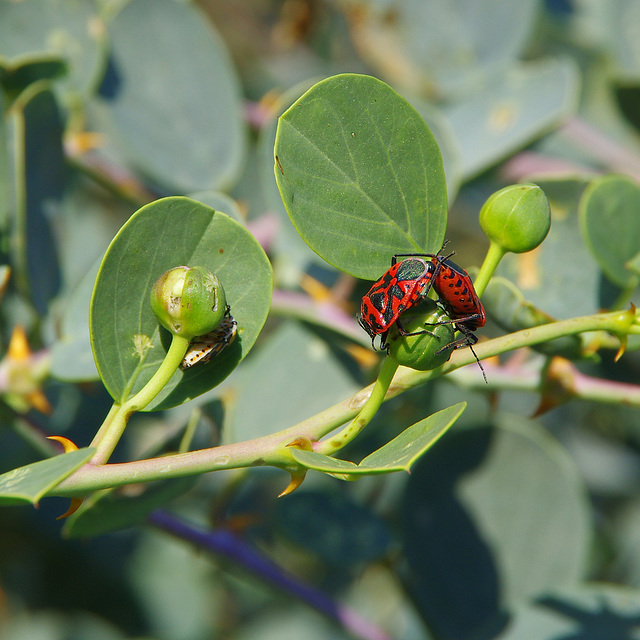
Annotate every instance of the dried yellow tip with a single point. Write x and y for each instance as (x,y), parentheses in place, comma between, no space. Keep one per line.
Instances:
(296,480)
(65,442)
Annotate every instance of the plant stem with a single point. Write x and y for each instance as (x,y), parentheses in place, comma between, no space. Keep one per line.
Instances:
(190,431)
(19,235)
(104,427)
(370,408)
(116,421)
(268,450)
(490,264)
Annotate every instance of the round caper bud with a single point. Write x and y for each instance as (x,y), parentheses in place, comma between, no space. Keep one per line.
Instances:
(420,351)
(516,218)
(188,301)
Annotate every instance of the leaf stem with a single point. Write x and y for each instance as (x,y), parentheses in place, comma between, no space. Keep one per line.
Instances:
(19,235)
(104,427)
(116,421)
(366,413)
(190,431)
(490,264)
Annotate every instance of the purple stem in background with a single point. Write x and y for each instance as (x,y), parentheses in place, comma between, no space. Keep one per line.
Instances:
(601,146)
(528,163)
(596,145)
(301,306)
(265,229)
(231,547)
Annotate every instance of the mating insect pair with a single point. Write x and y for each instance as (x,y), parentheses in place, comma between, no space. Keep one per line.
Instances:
(408,282)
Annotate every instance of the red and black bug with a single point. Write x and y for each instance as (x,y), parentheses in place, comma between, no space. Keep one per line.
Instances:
(459,299)
(457,295)
(409,281)
(403,285)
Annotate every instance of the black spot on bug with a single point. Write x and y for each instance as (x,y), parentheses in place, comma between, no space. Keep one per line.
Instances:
(378,300)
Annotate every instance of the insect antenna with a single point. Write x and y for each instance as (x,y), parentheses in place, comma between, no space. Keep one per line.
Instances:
(484,375)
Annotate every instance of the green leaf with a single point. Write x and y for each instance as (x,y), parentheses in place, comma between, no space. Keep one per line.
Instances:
(448,144)
(71,355)
(33,481)
(164,234)
(173,106)
(292,255)
(300,622)
(112,510)
(360,174)
(398,455)
(17,77)
(327,464)
(517,107)
(624,532)
(42,39)
(441,46)
(85,227)
(610,223)
(185,606)
(634,263)
(262,407)
(52,623)
(477,514)
(621,20)
(333,526)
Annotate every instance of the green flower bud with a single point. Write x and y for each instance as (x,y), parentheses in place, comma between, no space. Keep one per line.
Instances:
(188,301)
(516,218)
(420,351)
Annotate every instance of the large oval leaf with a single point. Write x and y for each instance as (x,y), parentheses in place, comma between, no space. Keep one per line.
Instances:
(172,102)
(45,38)
(610,222)
(333,526)
(294,255)
(164,234)
(442,45)
(519,106)
(494,515)
(263,407)
(71,357)
(360,174)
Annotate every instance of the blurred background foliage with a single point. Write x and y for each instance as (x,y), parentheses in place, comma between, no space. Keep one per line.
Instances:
(511,527)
